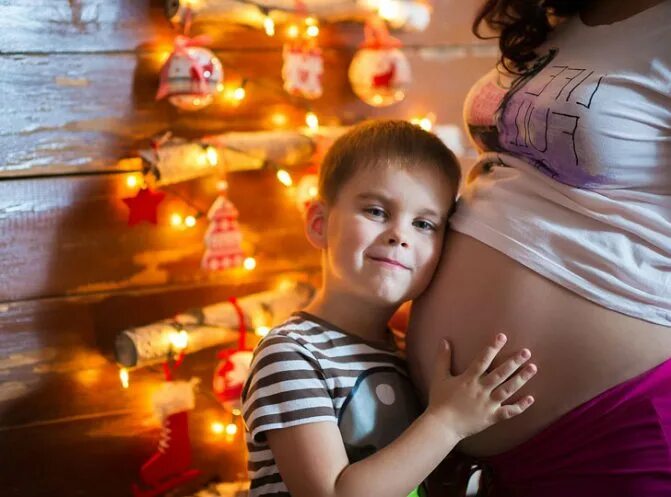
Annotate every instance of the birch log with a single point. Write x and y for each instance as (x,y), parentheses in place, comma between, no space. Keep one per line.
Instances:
(215,325)
(411,15)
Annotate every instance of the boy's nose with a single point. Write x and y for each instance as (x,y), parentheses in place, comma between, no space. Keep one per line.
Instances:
(396,240)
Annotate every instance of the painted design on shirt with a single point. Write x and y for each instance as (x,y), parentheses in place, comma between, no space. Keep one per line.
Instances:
(542,118)
(380,406)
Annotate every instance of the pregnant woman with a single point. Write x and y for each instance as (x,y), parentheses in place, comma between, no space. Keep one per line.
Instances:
(562,240)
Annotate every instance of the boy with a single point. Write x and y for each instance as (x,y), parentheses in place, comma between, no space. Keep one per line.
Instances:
(328,405)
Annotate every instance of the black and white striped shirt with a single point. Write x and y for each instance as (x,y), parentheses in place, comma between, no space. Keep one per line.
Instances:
(307,370)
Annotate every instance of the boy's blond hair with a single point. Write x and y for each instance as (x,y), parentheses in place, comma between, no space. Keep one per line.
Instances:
(384,143)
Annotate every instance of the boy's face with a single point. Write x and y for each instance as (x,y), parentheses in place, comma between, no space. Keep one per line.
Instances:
(384,233)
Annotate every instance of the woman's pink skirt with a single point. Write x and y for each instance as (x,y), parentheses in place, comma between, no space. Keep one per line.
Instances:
(615,445)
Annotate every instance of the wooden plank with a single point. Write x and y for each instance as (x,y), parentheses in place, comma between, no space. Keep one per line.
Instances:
(82,113)
(69,236)
(58,26)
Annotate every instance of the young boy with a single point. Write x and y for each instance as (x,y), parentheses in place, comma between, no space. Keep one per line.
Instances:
(328,405)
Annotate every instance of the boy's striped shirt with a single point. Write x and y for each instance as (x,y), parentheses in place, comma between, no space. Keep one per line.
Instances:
(306,371)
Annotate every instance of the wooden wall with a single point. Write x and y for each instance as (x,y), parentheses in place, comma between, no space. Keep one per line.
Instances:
(77,81)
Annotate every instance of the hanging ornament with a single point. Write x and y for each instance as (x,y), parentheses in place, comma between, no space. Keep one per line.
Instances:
(379,72)
(223,239)
(192,75)
(143,206)
(169,466)
(302,69)
(233,368)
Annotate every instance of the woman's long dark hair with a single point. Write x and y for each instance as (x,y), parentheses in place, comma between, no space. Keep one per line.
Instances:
(523,25)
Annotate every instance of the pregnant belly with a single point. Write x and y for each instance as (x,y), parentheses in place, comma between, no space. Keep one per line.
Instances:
(581,348)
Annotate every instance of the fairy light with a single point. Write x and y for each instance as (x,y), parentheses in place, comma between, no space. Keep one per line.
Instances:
(132,181)
(212,155)
(239,94)
(269,26)
(190,221)
(312,121)
(284,177)
(424,122)
(390,10)
(261,331)
(249,263)
(124,377)
(279,119)
(231,429)
(311,21)
(217,427)
(313,31)
(292,31)
(176,219)
(179,339)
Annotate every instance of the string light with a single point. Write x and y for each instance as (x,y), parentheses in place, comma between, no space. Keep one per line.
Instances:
(217,427)
(313,31)
(124,377)
(425,122)
(231,429)
(212,155)
(190,221)
(269,25)
(179,339)
(284,177)
(261,331)
(176,219)
(312,121)
(249,263)
(292,31)
(390,10)
(239,93)
(132,181)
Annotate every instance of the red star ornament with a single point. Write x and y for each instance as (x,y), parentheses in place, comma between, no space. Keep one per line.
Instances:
(143,206)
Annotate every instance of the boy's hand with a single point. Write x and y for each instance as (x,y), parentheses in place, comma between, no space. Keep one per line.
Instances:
(470,402)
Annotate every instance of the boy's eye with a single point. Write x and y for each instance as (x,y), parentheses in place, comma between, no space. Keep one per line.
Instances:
(375,212)
(424,225)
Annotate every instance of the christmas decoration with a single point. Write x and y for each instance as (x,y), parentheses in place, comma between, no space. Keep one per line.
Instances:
(210,326)
(233,368)
(307,189)
(379,72)
(143,206)
(169,466)
(191,76)
(302,69)
(223,240)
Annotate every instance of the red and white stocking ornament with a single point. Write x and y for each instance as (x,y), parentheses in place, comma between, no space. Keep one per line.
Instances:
(233,368)
(379,72)
(192,75)
(223,239)
(169,466)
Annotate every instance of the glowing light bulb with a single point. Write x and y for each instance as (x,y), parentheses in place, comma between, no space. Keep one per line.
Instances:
(390,10)
(239,94)
(312,120)
(261,331)
(132,181)
(279,119)
(124,377)
(217,427)
(249,263)
(292,31)
(313,31)
(311,21)
(269,26)
(284,177)
(176,219)
(231,429)
(179,339)
(190,221)
(212,155)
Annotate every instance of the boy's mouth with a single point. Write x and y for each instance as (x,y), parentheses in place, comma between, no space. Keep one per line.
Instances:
(392,263)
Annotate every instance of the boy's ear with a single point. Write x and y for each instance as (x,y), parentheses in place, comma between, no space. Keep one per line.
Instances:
(315,224)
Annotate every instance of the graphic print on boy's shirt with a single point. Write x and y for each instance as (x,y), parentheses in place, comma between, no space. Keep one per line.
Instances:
(540,117)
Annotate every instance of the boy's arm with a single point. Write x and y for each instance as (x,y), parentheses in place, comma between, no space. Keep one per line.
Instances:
(312,461)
